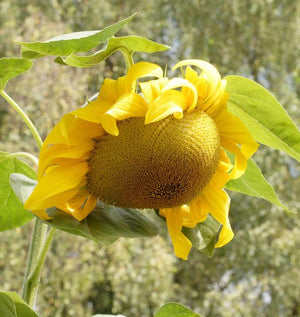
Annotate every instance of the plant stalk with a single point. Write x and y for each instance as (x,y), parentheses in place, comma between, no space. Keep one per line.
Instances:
(24,116)
(40,240)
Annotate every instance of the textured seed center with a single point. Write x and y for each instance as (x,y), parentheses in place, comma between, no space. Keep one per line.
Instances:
(159,165)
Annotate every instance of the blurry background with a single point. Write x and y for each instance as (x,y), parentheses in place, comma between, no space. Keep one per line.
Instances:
(257,274)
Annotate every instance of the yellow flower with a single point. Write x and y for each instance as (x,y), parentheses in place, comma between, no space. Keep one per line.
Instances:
(163,148)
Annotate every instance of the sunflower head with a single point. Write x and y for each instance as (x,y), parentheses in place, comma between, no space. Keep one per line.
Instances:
(157,144)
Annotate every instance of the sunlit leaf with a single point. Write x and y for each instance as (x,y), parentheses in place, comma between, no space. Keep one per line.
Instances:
(104,225)
(253,183)
(12,67)
(66,44)
(12,305)
(130,43)
(175,310)
(12,212)
(203,236)
(263,115)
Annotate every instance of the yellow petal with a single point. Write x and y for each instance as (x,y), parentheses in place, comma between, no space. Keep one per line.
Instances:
(152,88)
(129,105)
(218,204)
(170,102)
(140,70)
(232,127)
(180,82)
(80,206)
(56,154)
(240,164)
(36,201)
(208,68)
(41,214)
(93,111)
(58,180)
(182,245)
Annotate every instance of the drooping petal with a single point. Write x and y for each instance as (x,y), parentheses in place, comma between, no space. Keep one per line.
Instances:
(80,206)
(170,102)
(233,128)
(218,203)
(240,164)
(182,245)
(57,153)
(129,105)
(59,180)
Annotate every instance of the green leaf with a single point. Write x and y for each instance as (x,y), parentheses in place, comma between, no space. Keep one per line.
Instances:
(104,225)
(66,44)
(253,183)
(12,305)
(203,236)
(130,43)
(263,115)
(12,67)
(12,212)
(175,310)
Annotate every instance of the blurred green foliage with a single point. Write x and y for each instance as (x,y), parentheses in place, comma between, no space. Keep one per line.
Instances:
(257,274)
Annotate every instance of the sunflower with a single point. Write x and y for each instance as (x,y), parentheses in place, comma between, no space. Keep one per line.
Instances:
(154,143)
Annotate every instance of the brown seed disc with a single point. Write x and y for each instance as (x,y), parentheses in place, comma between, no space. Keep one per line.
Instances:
(158,165)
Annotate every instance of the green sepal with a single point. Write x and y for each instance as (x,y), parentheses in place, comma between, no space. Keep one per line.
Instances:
(263,115)
(12,305)
(204,235)
(129,43)
(12,212)
(11,67)
(175,309)
(66,44)
(253,183)
(105,224)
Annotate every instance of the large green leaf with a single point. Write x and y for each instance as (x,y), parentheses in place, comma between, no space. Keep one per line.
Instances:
(12,67)
(263,115)
(104,225)
(253,183)
(12,305)
(12,212)
(203,236)
(130,43)
(66,44)
(175,310)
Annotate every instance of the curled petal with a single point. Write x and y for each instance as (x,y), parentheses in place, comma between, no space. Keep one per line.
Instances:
(140,70)
(59,180)
(152,88)
(129,105)
(212,73)
(182,245)
(170,102)
(179,83)
(218,202)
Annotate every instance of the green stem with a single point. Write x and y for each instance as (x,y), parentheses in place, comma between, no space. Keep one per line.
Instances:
(33,271)
(24,116)
(128,57)
(27,155)
(40,242)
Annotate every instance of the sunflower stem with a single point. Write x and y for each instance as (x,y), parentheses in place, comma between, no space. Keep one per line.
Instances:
(40,241)
(128,57)
(24,116)
(26,155)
